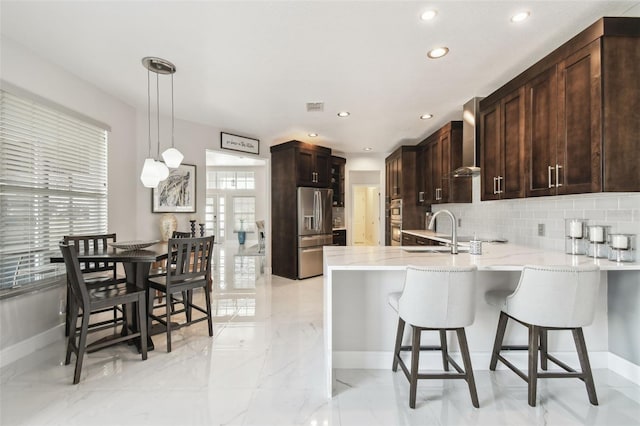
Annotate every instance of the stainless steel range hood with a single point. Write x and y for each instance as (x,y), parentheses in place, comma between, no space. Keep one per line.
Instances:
(470,140)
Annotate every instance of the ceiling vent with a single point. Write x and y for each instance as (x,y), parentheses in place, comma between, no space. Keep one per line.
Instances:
(315,106)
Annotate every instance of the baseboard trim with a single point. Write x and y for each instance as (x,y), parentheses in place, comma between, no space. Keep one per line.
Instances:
(624,368)
(30,345)
(479,360)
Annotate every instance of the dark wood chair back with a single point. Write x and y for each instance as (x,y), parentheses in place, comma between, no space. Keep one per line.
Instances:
(192,259)
(178,234)
(92,243)
(75,279)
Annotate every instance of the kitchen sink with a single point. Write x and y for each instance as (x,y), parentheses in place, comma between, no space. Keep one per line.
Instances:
(433,249)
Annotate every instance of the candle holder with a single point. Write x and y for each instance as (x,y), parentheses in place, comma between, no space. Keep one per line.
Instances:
(201,225)
(622,247)
(193,228)
(598,236)
(575,232)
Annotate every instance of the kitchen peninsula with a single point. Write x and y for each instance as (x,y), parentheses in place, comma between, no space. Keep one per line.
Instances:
(360,326)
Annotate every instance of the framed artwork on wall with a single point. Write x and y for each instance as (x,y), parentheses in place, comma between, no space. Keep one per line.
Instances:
(177,193)
(239,143)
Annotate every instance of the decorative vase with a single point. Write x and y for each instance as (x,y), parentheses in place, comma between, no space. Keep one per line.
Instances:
(242,234)
(168,224)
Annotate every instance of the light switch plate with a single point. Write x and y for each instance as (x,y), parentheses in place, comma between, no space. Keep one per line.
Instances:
(541,229)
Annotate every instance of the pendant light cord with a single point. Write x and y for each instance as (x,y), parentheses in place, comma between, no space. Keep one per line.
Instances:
(158,111)
(172,115)
(149,106)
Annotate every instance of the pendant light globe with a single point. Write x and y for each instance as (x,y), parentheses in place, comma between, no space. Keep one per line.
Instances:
(172,158)
(162,170)
(149,176)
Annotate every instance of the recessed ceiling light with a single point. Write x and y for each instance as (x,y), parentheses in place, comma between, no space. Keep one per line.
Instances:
(438,52)
(368,148)
(313,135)
(344,114)
(427,15)
(520,16)
(426,116)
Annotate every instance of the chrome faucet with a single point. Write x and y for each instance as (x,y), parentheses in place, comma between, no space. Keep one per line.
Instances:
(454,233)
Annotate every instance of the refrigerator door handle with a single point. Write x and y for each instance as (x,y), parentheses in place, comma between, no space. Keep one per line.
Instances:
(320,211)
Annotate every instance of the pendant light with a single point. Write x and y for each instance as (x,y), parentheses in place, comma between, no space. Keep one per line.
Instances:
(154,171)
(172,157)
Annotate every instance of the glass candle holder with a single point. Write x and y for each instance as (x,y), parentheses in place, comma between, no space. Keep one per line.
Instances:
(598,235)
(575,232)
(622,247)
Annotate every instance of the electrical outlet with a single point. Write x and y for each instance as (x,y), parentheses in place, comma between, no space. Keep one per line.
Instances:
(541,230)
(459,222)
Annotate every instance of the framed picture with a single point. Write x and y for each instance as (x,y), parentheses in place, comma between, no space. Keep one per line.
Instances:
(239,143)
(177,193)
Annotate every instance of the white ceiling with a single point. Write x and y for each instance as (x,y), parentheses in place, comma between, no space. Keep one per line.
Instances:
(250,67)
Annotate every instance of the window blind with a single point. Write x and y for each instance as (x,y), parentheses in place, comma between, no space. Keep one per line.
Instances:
(53,182)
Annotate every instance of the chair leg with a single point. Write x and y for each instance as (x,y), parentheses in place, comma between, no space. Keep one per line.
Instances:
(497,344)
(187,300)
(396,350)
(415,357)
(71,340)
(168,310)
(585,366)
(543,348)
(534,335)
(142,324)
(444,350)
(468,369)
(67,316)
(207,298)
(82,346)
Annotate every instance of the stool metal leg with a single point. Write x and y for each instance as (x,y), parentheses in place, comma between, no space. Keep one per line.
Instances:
(534,335)
(497,344)
(585,366)
(415,356)
(396,350)
(466,359)
(444,350)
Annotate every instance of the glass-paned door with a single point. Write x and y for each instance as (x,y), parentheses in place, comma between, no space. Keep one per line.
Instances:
(215,217)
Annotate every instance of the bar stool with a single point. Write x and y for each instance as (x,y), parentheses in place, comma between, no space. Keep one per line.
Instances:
(435,299)
(549,298)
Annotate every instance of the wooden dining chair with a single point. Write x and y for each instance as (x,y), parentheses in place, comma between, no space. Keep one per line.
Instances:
(95,274)
(91,300)
(192,271)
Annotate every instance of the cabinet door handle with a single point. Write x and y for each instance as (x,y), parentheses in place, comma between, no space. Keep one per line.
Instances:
(495,185)
(549,170)
(438,193)
(558,167)
(500,179)
(421,197)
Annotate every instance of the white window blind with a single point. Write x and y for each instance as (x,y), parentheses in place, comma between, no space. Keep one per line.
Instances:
(53,182)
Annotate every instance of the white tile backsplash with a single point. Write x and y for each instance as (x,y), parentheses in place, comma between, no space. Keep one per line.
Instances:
(517,220)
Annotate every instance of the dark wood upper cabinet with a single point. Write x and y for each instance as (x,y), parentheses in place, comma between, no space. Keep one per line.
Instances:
(438,155)
(337,180)
(313,166)
(502,132)
(581,119)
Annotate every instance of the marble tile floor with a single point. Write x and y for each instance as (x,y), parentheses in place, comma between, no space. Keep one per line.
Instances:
(264,366)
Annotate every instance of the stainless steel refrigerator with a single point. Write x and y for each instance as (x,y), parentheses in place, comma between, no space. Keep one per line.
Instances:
(314,229)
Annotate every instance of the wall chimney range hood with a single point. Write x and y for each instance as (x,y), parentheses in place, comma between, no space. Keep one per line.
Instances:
(470,140)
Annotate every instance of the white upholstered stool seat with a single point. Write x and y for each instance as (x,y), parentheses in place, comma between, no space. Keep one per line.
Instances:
(436,299)
(548,298)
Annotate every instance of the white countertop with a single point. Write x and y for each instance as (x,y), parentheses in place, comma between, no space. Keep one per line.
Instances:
(494,257)
(340,228)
